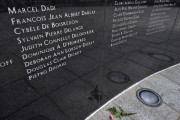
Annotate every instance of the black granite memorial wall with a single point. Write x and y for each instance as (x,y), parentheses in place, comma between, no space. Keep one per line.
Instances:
(63,59)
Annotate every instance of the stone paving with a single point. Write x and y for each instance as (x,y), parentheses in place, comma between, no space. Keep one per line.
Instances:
(166,83)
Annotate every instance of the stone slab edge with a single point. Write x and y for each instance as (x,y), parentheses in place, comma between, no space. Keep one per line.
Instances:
(123,92)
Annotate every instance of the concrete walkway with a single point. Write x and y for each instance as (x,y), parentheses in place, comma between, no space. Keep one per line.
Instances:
(166,83)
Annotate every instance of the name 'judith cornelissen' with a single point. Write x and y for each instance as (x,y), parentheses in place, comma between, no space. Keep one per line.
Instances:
(26,10)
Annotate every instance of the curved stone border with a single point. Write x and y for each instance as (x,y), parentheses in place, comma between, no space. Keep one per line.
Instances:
(165,82)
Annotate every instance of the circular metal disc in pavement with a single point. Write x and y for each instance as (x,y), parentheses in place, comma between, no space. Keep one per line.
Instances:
(161,57)
(149,97)
(118,77)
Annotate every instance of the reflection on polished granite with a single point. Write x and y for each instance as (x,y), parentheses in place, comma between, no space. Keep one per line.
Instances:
(63,93)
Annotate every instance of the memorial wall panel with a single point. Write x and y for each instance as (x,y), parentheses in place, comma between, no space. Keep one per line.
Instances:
(64,59)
